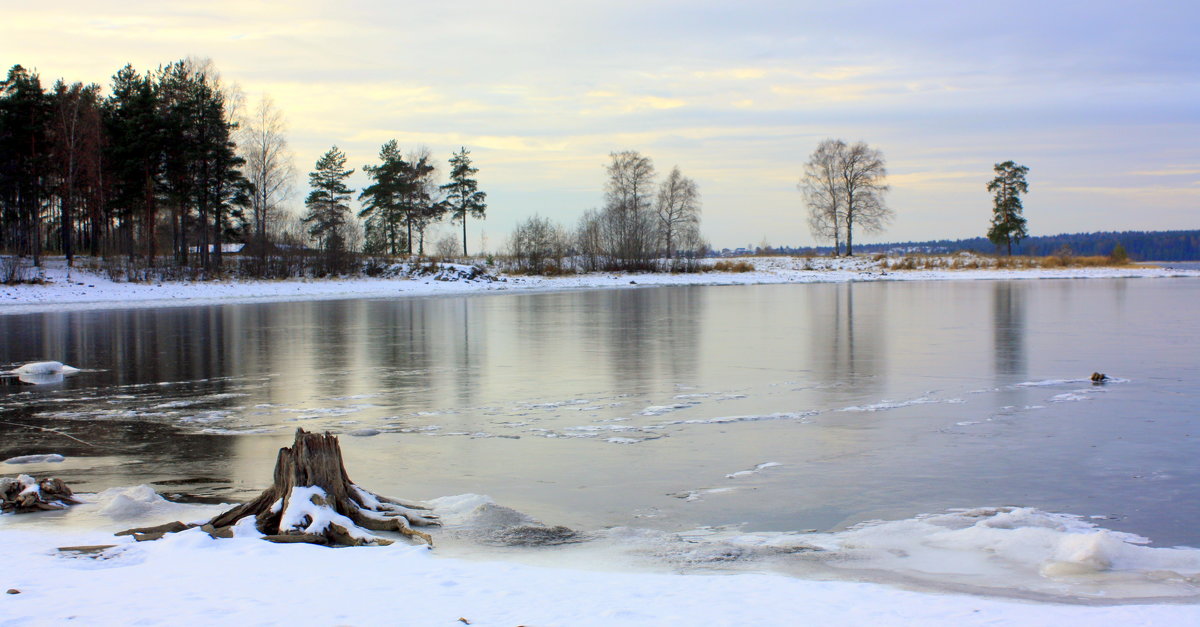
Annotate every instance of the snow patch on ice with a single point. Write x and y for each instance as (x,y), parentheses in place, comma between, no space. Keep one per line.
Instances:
(886,404)
(753,471)
(45,367)
(658,410)
(49,458)
(731,419)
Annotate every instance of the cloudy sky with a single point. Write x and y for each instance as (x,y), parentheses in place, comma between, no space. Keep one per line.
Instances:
(1100,99)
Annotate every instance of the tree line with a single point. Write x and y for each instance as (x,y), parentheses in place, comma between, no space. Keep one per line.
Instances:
(644,225)
(168,168)
(1139,245)
(150,169)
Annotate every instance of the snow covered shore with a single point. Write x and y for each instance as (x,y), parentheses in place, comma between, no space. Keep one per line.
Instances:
(190,578)
(84,290)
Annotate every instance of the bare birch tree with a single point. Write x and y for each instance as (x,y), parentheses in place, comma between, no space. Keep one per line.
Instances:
(270,165)
(862,176)
(678,210)
(629,223)
(844,186)
(822,192)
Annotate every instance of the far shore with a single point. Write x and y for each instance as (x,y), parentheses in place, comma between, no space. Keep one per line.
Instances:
(89,290)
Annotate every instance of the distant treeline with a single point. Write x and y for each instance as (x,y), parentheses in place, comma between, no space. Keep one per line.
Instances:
(1139,245)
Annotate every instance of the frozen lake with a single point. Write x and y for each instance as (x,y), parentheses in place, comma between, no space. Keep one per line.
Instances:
(772,408)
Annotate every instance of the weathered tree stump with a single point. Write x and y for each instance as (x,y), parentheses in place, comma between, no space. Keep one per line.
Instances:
(26,494)
(313,500)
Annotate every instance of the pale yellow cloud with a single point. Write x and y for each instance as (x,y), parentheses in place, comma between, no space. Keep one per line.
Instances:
(731,73)
(606,102)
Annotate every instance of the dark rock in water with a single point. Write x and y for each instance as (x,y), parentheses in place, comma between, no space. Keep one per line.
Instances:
(1099,377)
(13,591)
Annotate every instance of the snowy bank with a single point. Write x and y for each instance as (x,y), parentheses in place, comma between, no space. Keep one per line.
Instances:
(191,578)
(85,290)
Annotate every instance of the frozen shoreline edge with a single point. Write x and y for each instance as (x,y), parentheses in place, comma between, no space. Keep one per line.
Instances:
(88,291)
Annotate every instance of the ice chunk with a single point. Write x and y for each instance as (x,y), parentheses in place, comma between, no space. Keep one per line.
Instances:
(126,503)
(50,458)
(45,367)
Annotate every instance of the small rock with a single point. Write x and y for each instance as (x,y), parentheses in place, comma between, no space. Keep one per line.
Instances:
(14,591)
(1099,377)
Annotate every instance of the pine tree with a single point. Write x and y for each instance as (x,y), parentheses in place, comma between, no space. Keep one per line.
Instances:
(327,202)
(384,200)
(462,192)
(24,151)
(1008,225)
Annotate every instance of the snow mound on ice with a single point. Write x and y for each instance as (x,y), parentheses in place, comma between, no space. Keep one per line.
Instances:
(50,458)
(130,503)
(478,518)
(45,367)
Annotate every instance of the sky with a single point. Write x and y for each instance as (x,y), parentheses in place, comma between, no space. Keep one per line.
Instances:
(1101,100)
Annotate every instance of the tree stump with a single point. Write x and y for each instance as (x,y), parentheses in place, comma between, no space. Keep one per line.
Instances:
(313,500)
(26,494)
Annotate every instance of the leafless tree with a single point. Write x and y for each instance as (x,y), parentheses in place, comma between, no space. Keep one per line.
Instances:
(821,186)
(270,166)
(629,221)
(427,206)
(843,186)
(678,209)
(537,241)
(589,240)
(862,174)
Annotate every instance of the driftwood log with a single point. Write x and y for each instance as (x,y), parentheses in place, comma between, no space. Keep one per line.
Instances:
(313,500)
(26,494)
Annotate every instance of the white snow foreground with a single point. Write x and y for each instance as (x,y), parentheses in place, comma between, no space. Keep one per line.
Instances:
(85,290)
(190,578)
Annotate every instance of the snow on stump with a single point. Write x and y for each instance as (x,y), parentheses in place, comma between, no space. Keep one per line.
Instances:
(26,494)
(313,500)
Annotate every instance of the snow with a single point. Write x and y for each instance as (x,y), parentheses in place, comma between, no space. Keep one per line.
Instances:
(86,290)
(45,367)
(48,458)
(190,578)
(40,372)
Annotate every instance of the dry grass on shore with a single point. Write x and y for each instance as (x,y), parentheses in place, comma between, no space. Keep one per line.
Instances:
(983,262)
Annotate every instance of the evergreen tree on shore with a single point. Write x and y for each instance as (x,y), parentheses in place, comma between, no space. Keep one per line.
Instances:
(327,203)
(462,192)
(1008,225)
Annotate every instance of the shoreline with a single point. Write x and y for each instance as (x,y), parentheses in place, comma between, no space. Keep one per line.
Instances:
(88,290)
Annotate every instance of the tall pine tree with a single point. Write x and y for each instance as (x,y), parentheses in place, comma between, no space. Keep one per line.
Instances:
(383,200)
(327,202)
(1008,225)
(462,192)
